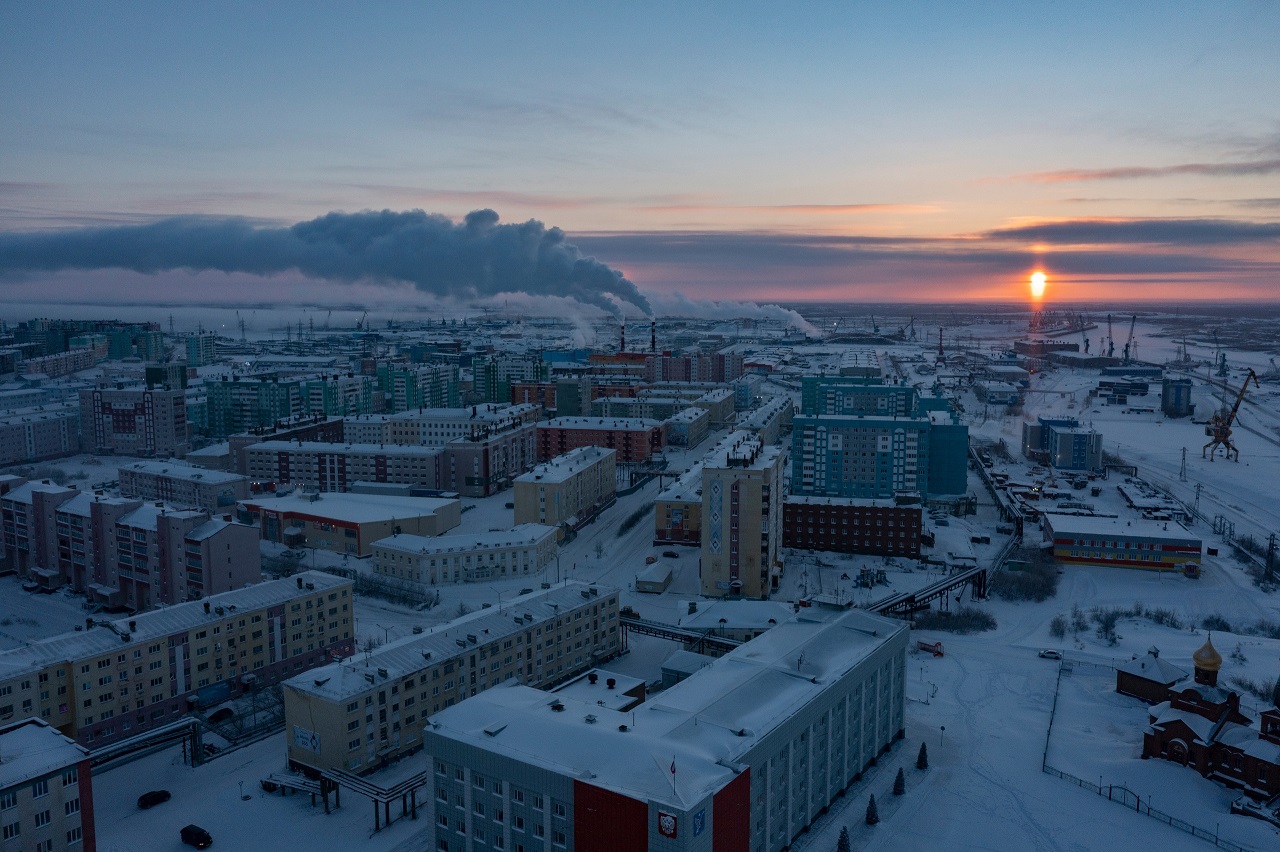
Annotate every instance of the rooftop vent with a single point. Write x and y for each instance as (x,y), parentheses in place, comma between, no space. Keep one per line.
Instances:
(321,681)
(623,728)
(611,682)
(591,720)
(382,673)
(557,707)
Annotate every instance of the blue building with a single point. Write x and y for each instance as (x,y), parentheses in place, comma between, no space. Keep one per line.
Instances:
(1062,443)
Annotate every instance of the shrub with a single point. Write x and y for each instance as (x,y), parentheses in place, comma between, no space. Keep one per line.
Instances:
(966,619)
(1215,622)
(634,518)
(1037,583)
(1058,627)
(873,815)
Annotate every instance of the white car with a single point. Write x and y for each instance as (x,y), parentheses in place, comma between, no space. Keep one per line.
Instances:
(1051,655)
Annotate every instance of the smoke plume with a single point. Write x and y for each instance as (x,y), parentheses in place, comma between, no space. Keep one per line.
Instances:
(473,258)
(679,305)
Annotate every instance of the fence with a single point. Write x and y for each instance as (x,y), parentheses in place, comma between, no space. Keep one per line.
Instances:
(1117,793)
(1122,795)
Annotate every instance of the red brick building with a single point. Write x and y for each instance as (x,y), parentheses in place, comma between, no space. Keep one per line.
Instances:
(634,439)
(851,525)
(1201,726)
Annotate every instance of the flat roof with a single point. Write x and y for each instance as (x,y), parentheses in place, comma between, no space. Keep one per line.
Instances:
(632,423)
(600,693)
(685,488)
(22,494)
(356,508)
(564,466)
(178,470)
(873,502)
(739,446)
(1119,527)
(520,535)
(737,614)
(32,749)
(702,726)
(161,623)
(346,448)
(411,654)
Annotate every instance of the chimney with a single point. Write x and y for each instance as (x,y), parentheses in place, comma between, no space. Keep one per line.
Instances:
(611,682)
(206,607)
(622,347)
(133,625)
(653,336)
(592,677)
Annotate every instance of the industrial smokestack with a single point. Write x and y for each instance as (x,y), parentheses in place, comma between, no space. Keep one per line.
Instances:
(653,336)
(622,347)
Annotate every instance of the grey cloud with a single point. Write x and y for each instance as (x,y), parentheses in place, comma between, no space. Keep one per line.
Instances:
(1159,231)
(472,258)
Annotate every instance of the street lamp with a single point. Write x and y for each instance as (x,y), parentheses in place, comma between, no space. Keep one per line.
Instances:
(942,736)
(386,634)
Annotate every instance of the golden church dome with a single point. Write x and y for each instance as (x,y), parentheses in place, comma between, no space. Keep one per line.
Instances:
(1207,658)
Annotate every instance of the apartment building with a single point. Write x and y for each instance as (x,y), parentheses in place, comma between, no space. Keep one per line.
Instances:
(770,420)
(121,677)
(571,489)
(360,714)
(634,439)
(240,403)
(27,523)
(134,421)
(183,485)
(37,434)
(436,427)
(741,518)
(743,754)
(520,551)
(46,794)
(850,525)
(677,512)
(334,467)
(320,428)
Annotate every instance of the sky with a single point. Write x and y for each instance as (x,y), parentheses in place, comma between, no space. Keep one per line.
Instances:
(720,151)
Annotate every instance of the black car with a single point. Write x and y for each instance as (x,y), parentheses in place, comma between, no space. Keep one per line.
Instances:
(670,554)
(153,798)
(194,835)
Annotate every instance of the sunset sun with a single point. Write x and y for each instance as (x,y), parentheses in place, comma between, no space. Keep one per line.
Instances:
(1038,280)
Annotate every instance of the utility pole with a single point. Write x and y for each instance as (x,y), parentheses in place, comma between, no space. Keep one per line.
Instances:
(1271,557)
(1182,472)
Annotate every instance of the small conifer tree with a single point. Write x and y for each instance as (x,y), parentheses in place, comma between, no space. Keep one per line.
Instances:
(873,816)
(922,762)
(844,844)
(899,783)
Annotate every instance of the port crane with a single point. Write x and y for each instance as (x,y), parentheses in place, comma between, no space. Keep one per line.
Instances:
(1084,334)
(1111,339)
(1219,427)
(1131,348)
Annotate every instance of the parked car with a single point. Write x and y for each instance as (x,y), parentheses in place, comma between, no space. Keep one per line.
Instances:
(649,560)
(1050,654)
(670,554)
(194,835)
(153,798)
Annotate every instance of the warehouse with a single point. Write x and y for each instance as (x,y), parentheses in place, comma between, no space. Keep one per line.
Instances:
(1136,543)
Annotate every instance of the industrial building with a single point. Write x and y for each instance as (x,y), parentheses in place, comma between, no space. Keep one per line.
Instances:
(741,518)
(1137,543)
(46,790)
(496,555)
(121,677)
(357,715)
(852,525)
(348,523)
(569,490)
(743,754)
(1175,397)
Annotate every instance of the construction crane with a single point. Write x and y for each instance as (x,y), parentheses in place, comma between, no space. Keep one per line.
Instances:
(360,322)
(1084,324)
(1130,348)
(1219,427)
(1111,339)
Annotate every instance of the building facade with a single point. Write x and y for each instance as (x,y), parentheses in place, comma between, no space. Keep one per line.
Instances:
(359,715)
(521,551)
(37,434)
(46,793)
(121,677)
(741,518)
(848,525)
(134,421)
(701,768)
(1137,543)
(347,523)
(635,440)
(568,490)
(183,485)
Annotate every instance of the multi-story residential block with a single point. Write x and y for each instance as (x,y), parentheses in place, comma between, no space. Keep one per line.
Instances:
(183,485)
(30,533)
(134,421)
(335,467)
(241,403)
(850,525)
(122,677)
(341,394)
(85,527)
(436,427)
(677,512)
(46,794)
(854,395)
(202,349)
(407,387)
(321,429)
(493,376)
(736,756)
(571,489)
(37,434)
(348,523)
(62,363)
(770,419)
(1062,443)
(741,518)
(634,439)
(688,427)
(520,551)
(358,715)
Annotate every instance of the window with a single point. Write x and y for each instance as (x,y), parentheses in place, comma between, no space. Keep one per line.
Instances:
(12,830)
(72,807)
(558,809)
(8,799)
(42,819)
(40,788)
(73,836)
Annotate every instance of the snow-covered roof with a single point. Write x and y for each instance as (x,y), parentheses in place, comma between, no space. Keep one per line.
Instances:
(161,623)
(31,749)
(1116,527)
(348,449)
(703,726)
(179,470)
(600,693)
(615,423)
(686,487)
(403,657)
(207,529)
(564,466)
(521,535)
(873,502)
(1152,668)
(737,615)
(22,494)
(145,516)
(355,508)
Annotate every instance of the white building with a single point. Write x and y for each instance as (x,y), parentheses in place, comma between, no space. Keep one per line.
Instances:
(496,555)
